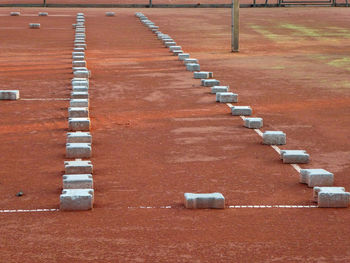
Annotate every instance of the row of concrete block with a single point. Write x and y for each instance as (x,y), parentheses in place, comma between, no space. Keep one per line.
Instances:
(78,189)
(312,177)
(16,13)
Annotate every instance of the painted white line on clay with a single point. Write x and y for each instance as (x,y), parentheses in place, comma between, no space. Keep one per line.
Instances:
(45,99)
(28,210)
(231,206)
(296,167)
(278,150)
(259,132)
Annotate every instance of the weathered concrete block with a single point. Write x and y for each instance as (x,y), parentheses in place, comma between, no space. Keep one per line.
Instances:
(80,89)
(172,48)
(331,196)
(78,54)
(216,89)
(190,61)
(15,13)
(82,45)
(79,69)
(79,49)
(80,82)
(110,14)
(79,137)
(226,97)
(78,167)
(203,75)
(82,74)
(169,44)
(183,56)
(79,41)
(294,156)
(210,82)
(78,150)
(34,25)
(79,95)
(177,52)
(78,112)
(80,30)
(274,138)
(78,181)
(253,123)
(9,94)
(316,177)
(241,111)
(76,199)
(79,124)
(79,63)
(192,67)
(79,103)
(43,14)
(210,200)
(152,26)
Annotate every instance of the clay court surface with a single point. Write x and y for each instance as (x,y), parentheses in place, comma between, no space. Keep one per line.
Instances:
(157,134)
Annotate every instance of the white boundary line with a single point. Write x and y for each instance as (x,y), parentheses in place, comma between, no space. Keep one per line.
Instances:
(44,99)
(232,206)
(28,210)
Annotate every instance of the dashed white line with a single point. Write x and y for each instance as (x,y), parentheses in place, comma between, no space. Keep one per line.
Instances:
(45,99)
(231,206)
(28,210)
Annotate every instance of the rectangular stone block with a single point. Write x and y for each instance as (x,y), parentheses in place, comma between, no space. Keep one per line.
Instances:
(110,14)
(253,123)
(216,89)
(78,150)
(82,45)
(76,199)
(210,82)
(79,63)
(169,44)
(241,111)
(15,13)
(226,97)
(34,25)
(177,52)
(79,69)
(80,89)
(204,201)
(294,156)
(79,103)
(79,124)
(331,197)
(43,14)
(77,181)
(79,95)
(190,61)
(82,74)
(203,75)
(78,54)
(274,138)
(172,48)
(79,137)
(183,56)
(78,58)
(79,49)
(78,112)
(192,67)
(316,177)
(78,167)
(9,94)
(83,82)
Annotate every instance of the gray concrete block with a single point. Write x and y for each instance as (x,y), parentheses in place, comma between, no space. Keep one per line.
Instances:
(210,82)
(79,137)
(253,123)
(78,112)
(80,82)
(79,69)
(80,89)
(331,197)
(78,167)
(226,97)
(294,156)
(110,14)
(78,181)
(79,41)
(78,150)
(169,44)
(79,49)
(216,89)
(78,58)
(82,74)
(241,111)
(79,124)
(82,45)
(193,67)
(43,14)
(203,75)
(79,103)
(76,199)
(78,54)
(316,177)
(204,201)
(34,25)
(177,52)
(183,56)
(15,14)
(9,94)
(274,138)
(190,61)
(172,48)
(79,63)
(79,95)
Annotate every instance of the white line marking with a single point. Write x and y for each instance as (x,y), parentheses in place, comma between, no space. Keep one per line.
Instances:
(277,149)
(231,206)
(296,167)
(45,99)
(259,132)
(229,105)
(28,211)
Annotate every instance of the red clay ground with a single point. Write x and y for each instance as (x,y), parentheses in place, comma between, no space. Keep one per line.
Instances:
(158,134)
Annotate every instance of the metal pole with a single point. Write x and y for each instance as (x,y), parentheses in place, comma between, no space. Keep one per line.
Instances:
(44,3)
(150,3)
(235,26)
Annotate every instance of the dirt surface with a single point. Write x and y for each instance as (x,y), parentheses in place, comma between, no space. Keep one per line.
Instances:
(158,134)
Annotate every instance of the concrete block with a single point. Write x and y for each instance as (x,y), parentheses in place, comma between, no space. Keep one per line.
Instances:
(177,52)
(9,94)
(152,26)
(79,69)
(82,45)
(79,41)
(216,89)
(183,56)
(78,54)
(78,150)
(78,58)
(79,124)
(79,63)
(204,201)
(210,82)
(76,199)
(79,137)
(78,167)
(172,48)
(331,196)
(80,89)
(294,156)
(79,103)
(192,67)
(34,25)
(43,14)
(169,44)
(82,74)
(78,181)
(110,14)
(82,82)
(253,123)
(15,14)
(79,95)
(226,97)
(316,177)
(241,111)
(79,49)
(190,60)
(203,75)
(78,112)
(80,30)
(274,138)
